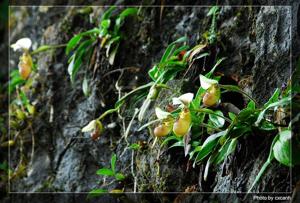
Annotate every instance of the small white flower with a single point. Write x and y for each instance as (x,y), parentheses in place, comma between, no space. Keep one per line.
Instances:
(184,99)
(23,44)
(206,82)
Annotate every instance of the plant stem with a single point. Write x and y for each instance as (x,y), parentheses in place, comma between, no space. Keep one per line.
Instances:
(109,111)
(47,47)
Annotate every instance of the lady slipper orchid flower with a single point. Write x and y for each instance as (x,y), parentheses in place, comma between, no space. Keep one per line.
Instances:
(25,64)
(165,127)
(212,96)
(95,127)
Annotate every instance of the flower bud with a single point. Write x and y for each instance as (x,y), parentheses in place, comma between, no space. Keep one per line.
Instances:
(95,127)
(153,93)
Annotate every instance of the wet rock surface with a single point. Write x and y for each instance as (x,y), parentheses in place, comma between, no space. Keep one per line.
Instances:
(257,42)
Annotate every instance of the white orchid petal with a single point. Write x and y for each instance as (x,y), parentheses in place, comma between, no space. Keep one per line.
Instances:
(24,43)
(15,47)
(176,101)
(89,127)
(206,82)
(161,114)
(186,98)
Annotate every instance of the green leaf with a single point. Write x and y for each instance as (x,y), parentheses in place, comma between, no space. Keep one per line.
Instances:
(266,164)
(105,172)
(265,125)
(112,41)
(251,105)
(177,144)
(170,49)
(193,152)
(128,11)
(231,115)
(76,61)
(90,32)
(119,176)
(282,148)
(168,53)
(213,10)
(119,21)
(72,43)
(208,163)
(24,98)
(245,114)
(225,150)
(208,75)
(108,13)
(105,24)
(152,72)
(135,146)
(208,145)
(197,101)
(15,80)
(96,193)
(282,102)
(217,121)
(173,137)
(128,95)
(180,49)
(273,98)
(113,163)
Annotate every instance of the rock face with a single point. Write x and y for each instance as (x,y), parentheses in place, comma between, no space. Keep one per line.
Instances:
(257,42)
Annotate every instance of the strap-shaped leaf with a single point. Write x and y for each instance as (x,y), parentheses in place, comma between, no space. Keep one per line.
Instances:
(128,12)
(77,59)
(266,164)
(170,49)
(108,13)
(215,66)
(122,99)
(105,172)
(273,98)
(72,43)
(225,150)
(208,145)
(113,163)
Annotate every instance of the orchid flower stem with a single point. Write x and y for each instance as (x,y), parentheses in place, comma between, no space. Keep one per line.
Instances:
(47,48)
(227,87)
(109,111)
